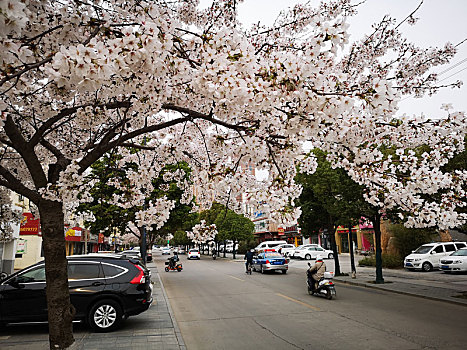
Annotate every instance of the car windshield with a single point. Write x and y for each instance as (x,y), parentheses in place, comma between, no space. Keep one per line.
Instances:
(194,251)
(273,255)
(423,249)
(460,252)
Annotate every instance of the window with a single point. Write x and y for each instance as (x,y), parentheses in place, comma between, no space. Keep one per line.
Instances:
(111,270)
(84,271)
(439,249)
(36,274)
(450,248)
(460,245)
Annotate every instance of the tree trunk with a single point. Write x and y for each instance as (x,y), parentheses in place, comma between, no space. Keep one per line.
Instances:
(224,248)
(60,310)
(379,260)
(332,238)
(352,258)
(234,251)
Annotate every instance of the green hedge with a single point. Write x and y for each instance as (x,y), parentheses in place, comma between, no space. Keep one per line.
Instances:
(389,261)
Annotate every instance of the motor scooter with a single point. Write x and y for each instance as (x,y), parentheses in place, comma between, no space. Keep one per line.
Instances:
(175,266)
(214,255)
(325,288)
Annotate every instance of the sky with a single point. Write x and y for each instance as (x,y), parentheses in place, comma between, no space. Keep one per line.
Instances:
(440,21)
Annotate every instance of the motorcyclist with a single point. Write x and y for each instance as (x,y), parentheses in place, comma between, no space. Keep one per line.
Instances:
(249,258)
(173,260)
(316,272)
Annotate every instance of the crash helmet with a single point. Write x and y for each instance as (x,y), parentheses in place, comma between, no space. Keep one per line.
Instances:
(252,250)
(319,258)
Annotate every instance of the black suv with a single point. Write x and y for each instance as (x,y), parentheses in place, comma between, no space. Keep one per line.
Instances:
(103,289)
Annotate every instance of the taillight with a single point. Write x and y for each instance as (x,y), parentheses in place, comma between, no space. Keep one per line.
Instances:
(140,279)
(267,262)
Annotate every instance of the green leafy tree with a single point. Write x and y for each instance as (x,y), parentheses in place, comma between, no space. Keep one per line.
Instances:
(330,198)
(180,238)
(235,227)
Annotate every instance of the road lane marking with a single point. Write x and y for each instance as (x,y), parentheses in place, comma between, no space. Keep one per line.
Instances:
(299,302)
(236,278)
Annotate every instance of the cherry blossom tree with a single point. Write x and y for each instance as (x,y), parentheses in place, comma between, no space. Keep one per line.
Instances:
(202,233)
(79,79)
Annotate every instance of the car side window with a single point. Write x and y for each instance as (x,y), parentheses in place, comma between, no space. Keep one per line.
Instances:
(320,249)
(111,270)
(80,271)
(450,248)
(439,249)
(34,275)
(460,245)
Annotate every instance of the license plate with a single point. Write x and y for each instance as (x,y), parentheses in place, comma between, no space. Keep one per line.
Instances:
(408,264)
(277,262)
(444,267)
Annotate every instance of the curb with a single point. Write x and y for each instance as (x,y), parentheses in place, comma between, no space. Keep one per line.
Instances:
(178,333)
(366,285)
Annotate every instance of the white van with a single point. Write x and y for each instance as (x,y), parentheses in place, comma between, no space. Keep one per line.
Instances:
(269,245)
(426,257)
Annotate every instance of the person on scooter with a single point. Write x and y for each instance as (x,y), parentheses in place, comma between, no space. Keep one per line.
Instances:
(316,272)
(249,258)
(173,260)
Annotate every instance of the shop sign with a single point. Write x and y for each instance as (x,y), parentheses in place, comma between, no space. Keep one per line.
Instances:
(280,231)
(73,234)
(29,226)
(21,246)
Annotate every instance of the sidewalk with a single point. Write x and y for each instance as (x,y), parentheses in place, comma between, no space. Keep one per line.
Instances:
(431,285)
(153,329)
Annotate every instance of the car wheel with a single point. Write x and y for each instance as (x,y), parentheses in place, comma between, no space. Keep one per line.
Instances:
(253,268)
(261,269)
(308,257)
(105,315)
(331,256)
(166,269)
(284,272)
(427,267)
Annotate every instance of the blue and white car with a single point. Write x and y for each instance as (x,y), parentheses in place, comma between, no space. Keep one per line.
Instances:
(270,261)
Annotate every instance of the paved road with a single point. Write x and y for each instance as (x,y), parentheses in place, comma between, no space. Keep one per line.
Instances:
(218,306)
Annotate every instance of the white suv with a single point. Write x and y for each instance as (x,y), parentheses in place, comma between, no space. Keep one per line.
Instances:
(312,252)
(427,256)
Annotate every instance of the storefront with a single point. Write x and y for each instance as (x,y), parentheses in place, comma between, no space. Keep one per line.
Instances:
(342,239)
(29,244)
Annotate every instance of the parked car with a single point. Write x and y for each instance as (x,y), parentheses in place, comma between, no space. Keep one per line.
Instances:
(427,256)
(456,262)
(166,251)
(136,254)
(285,249)
(193,254)
(270,261)
(269,245)
(296,252)
(181,250)
(311,252)
(104,289)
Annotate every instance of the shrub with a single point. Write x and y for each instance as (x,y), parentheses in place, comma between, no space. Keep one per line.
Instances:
(408,239)
(389,261)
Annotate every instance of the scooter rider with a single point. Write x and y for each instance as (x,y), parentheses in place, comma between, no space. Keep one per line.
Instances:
(249,258)
(316,272)
(173,260)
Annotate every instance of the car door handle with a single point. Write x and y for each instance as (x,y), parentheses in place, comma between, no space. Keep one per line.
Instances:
(95,284)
